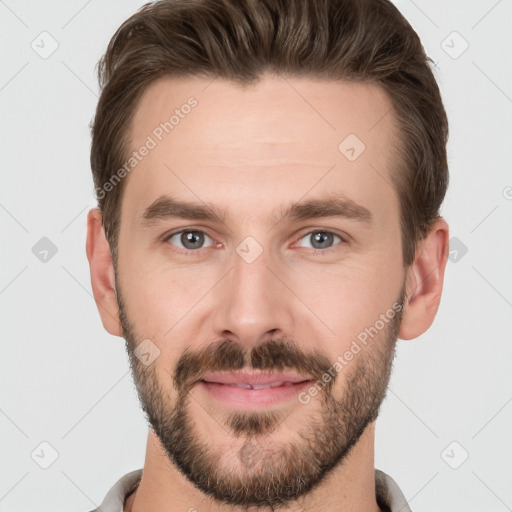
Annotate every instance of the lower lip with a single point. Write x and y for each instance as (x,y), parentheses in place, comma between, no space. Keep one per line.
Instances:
(245,397)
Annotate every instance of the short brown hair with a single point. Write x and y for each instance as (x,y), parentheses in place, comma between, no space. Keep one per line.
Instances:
(239,40)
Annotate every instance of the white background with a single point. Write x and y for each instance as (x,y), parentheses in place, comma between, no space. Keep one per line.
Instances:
(65,381)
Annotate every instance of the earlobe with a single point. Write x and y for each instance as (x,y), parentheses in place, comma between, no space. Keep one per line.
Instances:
(102,273)
(424,283)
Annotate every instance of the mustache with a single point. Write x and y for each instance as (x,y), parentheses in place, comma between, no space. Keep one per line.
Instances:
(272,355)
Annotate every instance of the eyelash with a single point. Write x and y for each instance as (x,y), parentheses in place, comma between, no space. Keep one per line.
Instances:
(191,252)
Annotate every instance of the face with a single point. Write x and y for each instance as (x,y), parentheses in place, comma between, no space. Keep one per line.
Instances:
(260,279)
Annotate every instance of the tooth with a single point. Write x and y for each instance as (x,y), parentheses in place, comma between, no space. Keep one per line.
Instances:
(262,386)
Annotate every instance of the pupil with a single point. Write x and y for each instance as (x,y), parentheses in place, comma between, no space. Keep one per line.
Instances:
(321,240)
(192,239)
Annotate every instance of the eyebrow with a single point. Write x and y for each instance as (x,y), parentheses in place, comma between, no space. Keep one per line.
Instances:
(166,207)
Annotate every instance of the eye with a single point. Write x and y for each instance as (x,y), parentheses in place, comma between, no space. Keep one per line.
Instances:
(319,240)
(189,239)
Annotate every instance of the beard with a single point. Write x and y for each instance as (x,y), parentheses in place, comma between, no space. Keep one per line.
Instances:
(257,469)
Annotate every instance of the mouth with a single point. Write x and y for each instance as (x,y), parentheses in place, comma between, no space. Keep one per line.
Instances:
(256,386)
(243,389)
(254,378)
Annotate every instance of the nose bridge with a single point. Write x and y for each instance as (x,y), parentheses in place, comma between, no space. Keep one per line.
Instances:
(251,300)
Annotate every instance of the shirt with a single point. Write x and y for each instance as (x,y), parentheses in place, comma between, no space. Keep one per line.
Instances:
(388,494)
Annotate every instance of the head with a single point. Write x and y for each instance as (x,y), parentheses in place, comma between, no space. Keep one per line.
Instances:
(269,177)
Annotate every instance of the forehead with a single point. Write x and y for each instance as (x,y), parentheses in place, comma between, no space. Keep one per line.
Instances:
(218,142)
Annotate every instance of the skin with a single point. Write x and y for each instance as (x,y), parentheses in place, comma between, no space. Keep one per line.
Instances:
(251,151)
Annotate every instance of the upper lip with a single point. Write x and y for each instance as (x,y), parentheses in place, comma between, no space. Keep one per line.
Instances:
(253,378)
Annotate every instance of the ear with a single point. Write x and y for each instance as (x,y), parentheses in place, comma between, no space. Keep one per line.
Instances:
(424,283)
(102,273)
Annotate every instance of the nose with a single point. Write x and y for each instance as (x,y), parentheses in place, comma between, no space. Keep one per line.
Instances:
(253,302)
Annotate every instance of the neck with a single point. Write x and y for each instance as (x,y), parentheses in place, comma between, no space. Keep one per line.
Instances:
(349,487)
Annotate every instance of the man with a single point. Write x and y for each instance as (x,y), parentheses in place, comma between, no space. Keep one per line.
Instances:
(269,176)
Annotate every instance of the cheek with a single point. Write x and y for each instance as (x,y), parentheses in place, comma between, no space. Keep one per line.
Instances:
(159,294)
(348,299)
